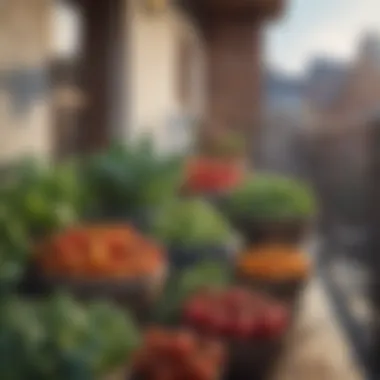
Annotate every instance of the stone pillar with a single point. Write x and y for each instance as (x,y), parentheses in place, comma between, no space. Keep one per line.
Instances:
(103,33)
(233,60)
(232,33)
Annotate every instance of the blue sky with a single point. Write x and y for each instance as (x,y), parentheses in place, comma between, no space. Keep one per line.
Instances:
(319,27)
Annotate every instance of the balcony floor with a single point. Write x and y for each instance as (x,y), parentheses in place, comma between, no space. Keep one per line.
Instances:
(317,348)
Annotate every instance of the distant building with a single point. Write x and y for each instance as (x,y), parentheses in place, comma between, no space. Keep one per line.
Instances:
(283,92)
(283,121)
(342,95)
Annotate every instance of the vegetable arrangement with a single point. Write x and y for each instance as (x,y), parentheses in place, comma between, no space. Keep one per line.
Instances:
(105,252)
(271,198)
(218,167)
(183,284)
(130,181)
(210,174)
(274,263)
(59,339)
(191,223)
(236,314)
(178,355)
(44,199)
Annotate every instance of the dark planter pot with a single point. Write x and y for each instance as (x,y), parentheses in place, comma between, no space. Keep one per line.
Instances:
(291,231)
(184,257)
(248,359)
(287,291)
(137,295)
(253,359)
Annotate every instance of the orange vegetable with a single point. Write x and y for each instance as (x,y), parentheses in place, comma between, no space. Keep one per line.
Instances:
(274,262)
(99,252)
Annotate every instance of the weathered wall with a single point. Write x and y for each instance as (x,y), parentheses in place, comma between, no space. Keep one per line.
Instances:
(24,87)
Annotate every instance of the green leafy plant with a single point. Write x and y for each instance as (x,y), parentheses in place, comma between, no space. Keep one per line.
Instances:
(130,179)
(191,223)
(43,198)
(272,198)
(59,339)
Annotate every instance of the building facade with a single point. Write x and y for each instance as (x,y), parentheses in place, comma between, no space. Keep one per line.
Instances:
(24,84)
(146,67)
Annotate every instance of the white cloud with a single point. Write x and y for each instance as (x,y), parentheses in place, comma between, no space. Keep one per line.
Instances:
(336,36)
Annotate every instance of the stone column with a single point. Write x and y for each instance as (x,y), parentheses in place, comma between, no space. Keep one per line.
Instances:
(233,70)
(103,33)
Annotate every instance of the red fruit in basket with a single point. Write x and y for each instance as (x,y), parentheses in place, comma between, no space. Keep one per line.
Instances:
(155,339)
(164,374)
(219,323)
(184,344)
(199,368)
(236,297)
(196,313)
(275,321)
(246,326)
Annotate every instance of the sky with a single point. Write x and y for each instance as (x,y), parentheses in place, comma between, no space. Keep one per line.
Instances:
(313,28)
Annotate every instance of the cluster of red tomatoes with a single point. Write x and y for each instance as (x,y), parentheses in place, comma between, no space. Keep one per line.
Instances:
(99,252)
(207,174)
(236,314)
(178,355)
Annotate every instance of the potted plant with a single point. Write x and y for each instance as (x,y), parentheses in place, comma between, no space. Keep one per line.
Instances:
(277,269)
(129,183)
(218,167)
(193,231)
(110,261)
(271,208)
(251,324)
